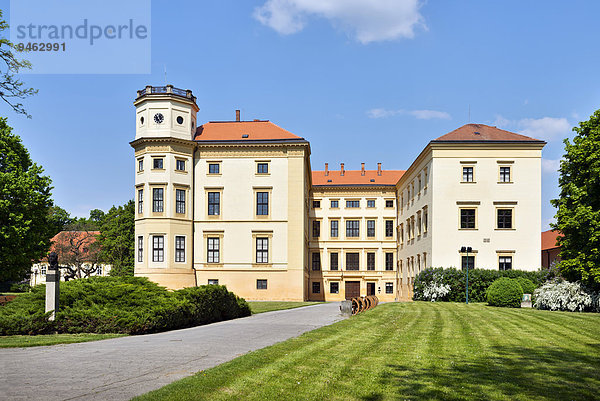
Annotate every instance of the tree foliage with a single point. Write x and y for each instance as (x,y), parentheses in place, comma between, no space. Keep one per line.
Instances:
(12,88)
(578,215)
(25,205)
(117,239)
(78,253)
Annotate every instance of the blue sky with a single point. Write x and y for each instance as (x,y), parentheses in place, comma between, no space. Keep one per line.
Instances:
(364,80)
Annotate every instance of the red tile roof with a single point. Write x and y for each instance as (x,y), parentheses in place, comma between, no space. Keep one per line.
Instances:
(236,130)
(355,177)
(481,132)
(549,239)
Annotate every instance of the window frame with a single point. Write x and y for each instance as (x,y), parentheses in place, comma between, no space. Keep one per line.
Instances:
(389,261)
(389,228)
(179,249)
(460,218)
(316,287)
(389,287)
(337,285)
(470,176)
(337,261)
(352,203)
(260,165)
(211,252)
(158,248)
(260,282)
(158,202)
(140,205)
(351,230)
(316,228)
(140,249)
(316,261)
(500,262)
(178,163)
(351,264)
(371,231)
(180,195)
(158,160)
(261,204)
(262,254)
(334,232)
(316,204)
(511,221)
(213,203)
(388,205)
(210,166)
(337,204)
(140,165)
(371,203)
(371,261)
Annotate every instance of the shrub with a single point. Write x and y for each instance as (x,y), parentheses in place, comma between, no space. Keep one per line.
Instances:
(505,292)
(526,284)
(131,305)
(20,287)
(566,296)
(479,281)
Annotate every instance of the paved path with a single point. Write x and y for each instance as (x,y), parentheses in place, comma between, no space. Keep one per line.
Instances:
(121,368)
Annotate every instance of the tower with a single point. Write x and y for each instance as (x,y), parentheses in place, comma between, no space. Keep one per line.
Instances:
(164,165)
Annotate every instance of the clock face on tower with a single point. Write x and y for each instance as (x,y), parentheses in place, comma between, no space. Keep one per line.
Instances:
(159,118)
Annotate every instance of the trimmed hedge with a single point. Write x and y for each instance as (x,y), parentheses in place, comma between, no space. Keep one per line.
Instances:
(527,285)
(505,292)
(479,281)
(131,305)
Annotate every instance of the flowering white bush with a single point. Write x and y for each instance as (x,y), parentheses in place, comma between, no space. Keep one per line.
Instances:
(565,296)
(435,290)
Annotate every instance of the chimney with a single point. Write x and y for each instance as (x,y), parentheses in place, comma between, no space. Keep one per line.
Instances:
(378,168)
(326,168)
(237,115)
(341,168)
(362,168)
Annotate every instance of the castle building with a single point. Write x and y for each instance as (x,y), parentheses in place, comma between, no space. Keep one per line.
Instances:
(236,203)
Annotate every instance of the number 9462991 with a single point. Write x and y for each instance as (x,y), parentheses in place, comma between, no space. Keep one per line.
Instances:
(41,47)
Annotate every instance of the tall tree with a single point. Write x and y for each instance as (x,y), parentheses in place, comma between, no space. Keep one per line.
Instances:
(25,202)
(578,216)
(12,88)
(117,232)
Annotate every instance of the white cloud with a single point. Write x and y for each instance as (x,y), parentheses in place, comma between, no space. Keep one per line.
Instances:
(548,128)
(550,166)
(366,20)
(419,114)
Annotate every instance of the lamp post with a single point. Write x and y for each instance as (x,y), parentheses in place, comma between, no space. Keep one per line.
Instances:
(467,249)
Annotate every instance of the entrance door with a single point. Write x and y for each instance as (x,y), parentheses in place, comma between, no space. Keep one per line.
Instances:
(352,289)
(370,288)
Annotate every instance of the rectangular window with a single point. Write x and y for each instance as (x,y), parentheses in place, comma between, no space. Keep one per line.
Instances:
(157,163)
(467,174)
(352,261)
(180,165)
(467,218)
(316,204)
(371,261)
(333,261)
(140,249)
(140,201)
(419,223)
(370,228)
(389,261)
(335,228)
(352,228)
(262,203)
(213,250)
(470,261)
(262,250)
(335,204)
(389,228)
(316,261)
(214,168)
(352,203)
(180,201)
(214,203)
(158,248)
(179,248)
(140,164)
(157,200)
(505,263)
(389,203)
(504,218)
(370,202)
(389,288)
(504,174)
(262,168)
(213,282)
(334,288)
(261,284)
(316,287)
(316,229)
(425,218)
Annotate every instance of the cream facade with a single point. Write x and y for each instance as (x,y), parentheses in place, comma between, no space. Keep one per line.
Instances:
(236,203)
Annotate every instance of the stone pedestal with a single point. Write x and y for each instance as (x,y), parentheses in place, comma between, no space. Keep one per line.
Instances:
(52,291)
(346,308)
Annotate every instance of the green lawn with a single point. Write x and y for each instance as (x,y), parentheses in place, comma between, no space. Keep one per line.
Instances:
(417,351)
(268,306)
(51,339)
